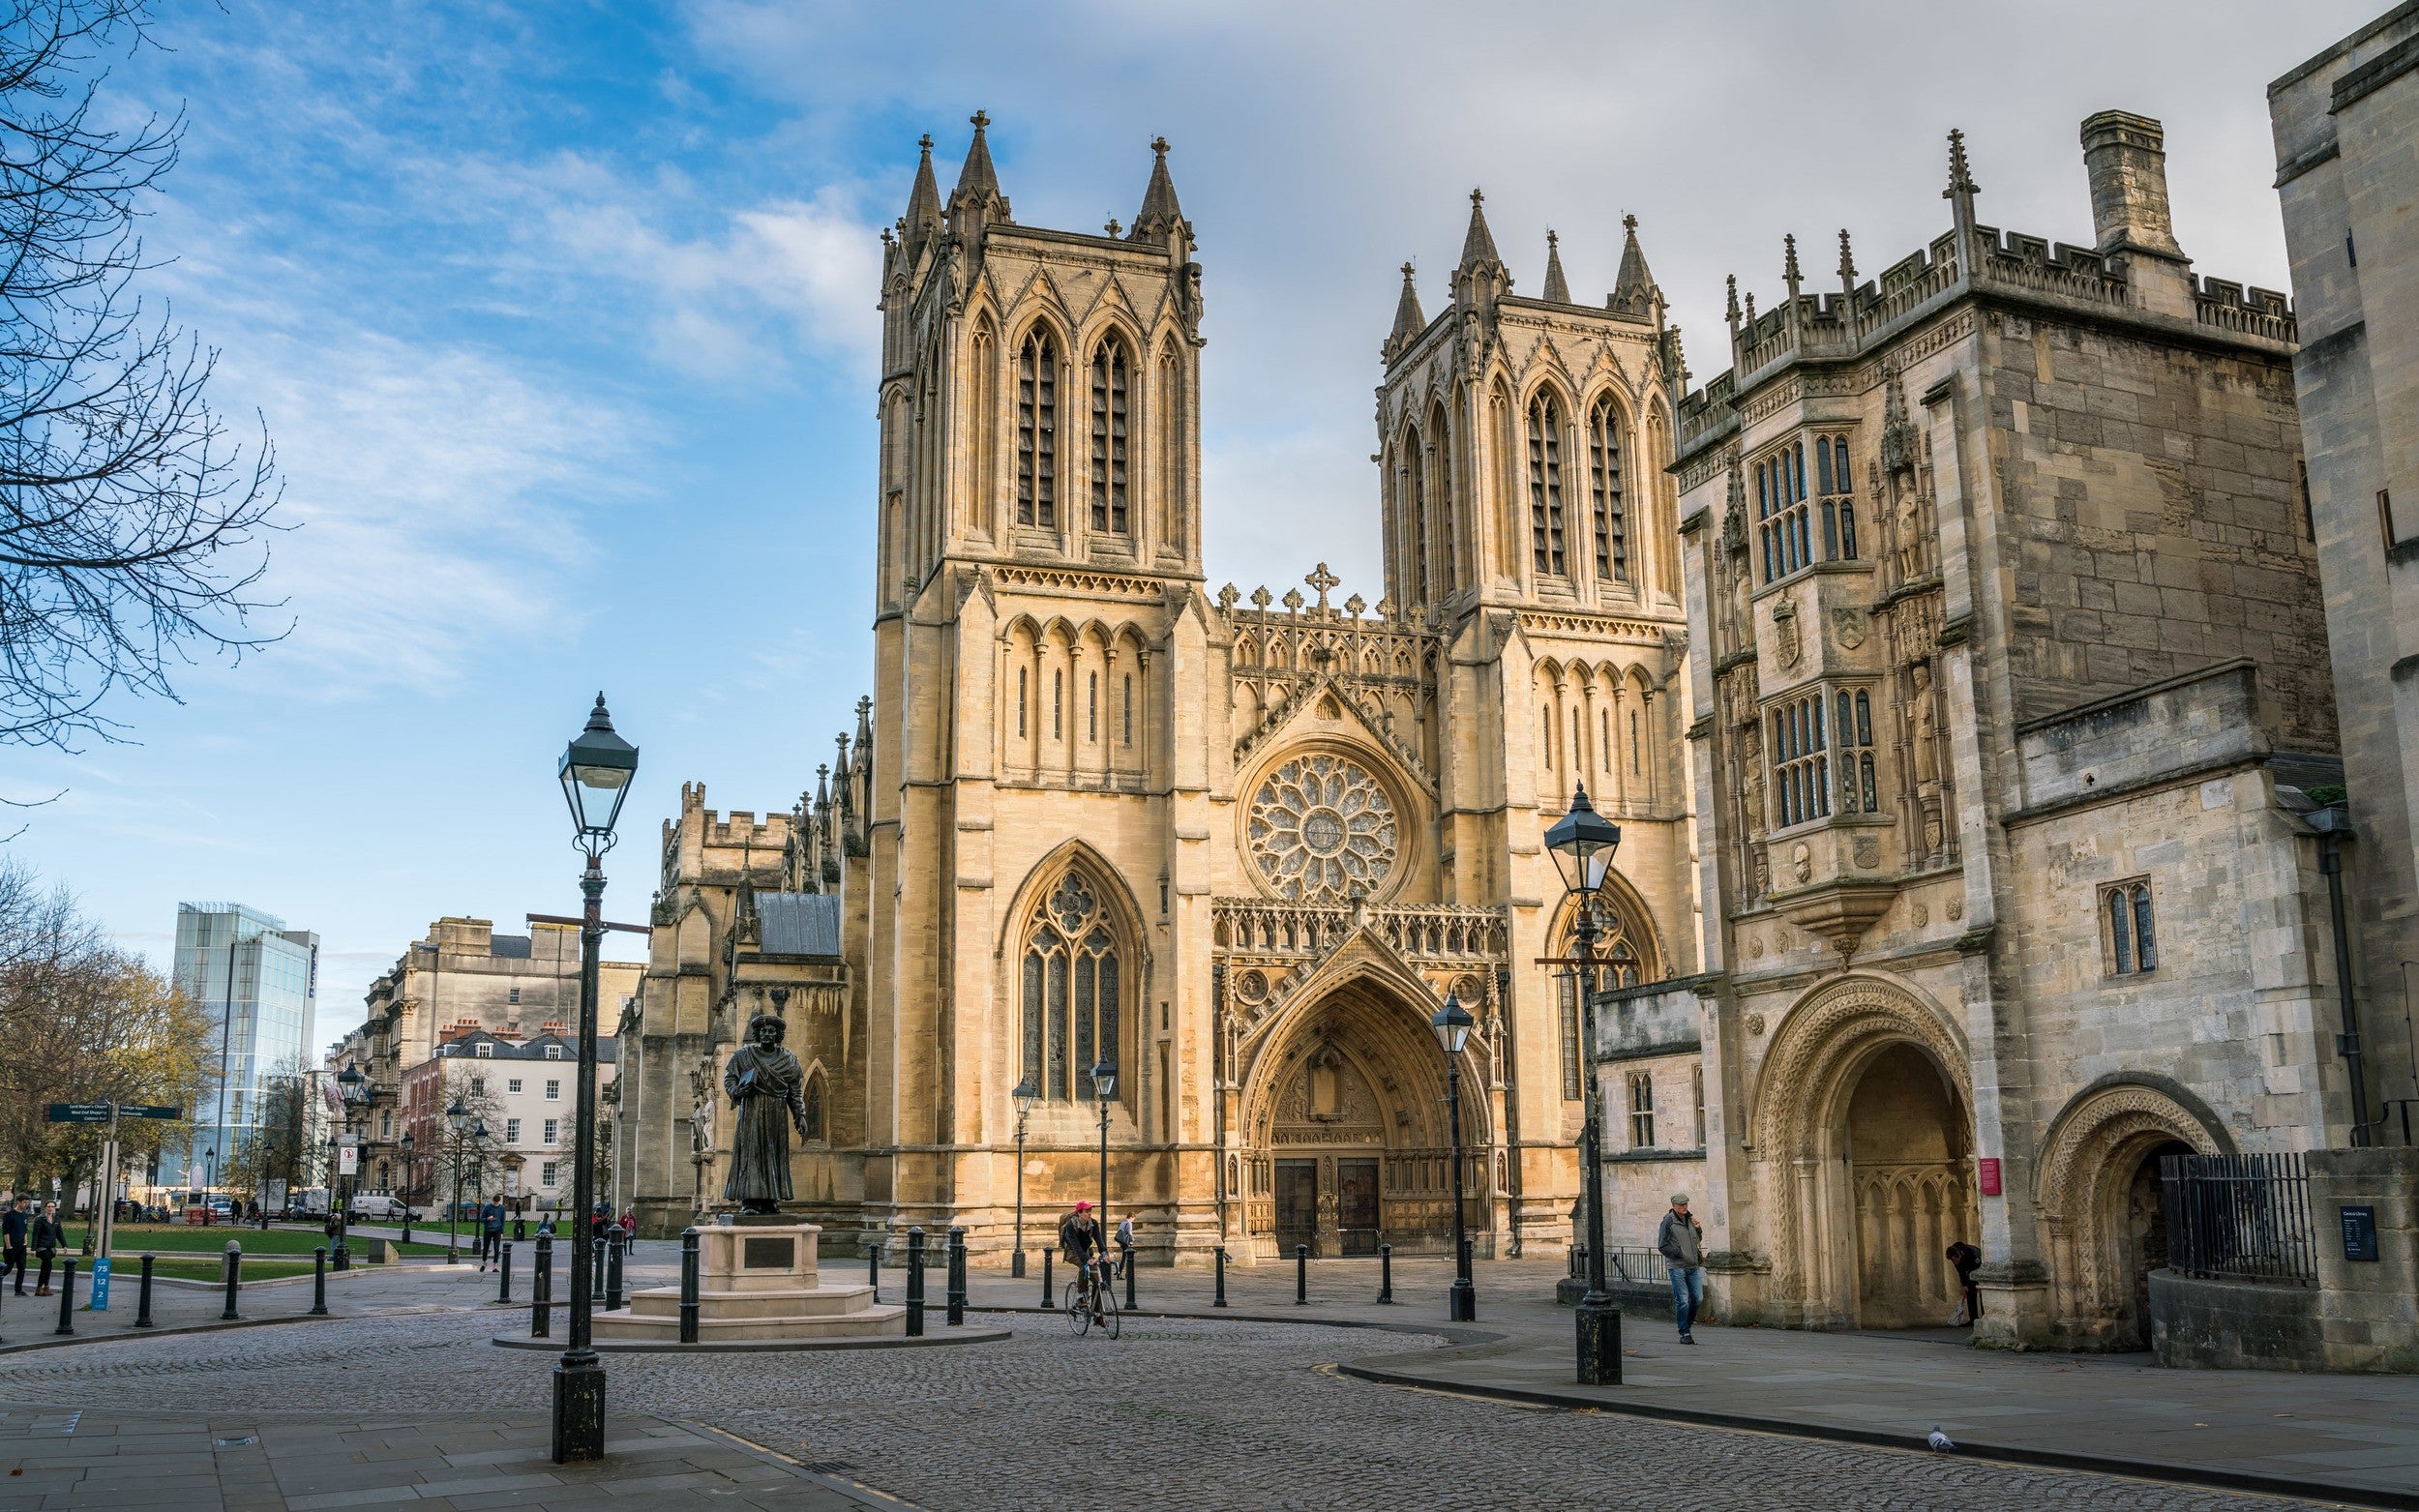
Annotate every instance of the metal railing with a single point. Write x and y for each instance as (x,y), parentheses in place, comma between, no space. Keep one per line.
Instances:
(2239,1218)
(1638,1267)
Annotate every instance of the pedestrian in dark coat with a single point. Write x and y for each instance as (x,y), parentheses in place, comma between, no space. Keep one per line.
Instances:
(47,1239)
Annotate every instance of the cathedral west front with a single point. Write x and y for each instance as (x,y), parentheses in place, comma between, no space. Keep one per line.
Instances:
(1952,666)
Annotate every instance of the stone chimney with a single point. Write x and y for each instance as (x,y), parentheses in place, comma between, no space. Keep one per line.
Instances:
(2127,158)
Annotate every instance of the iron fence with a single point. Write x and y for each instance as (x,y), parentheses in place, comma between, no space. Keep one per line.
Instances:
(2239,1218)
(1636,1266)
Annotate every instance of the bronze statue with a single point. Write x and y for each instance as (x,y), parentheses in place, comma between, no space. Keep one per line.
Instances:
(765,1084)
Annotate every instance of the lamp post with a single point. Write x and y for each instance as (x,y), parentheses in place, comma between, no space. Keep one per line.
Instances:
(1023,1095)
(352,1088)
(1104,1082)
(1583,842)
(1452,1024)
(457,1124)
(595,772)
(405,1143)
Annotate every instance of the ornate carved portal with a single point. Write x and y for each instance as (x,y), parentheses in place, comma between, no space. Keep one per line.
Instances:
(1345,1141)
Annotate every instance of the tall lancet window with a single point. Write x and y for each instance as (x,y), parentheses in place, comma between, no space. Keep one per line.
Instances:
(1037,431)
(1109,383)
(1612,520)
(1545,486)
(1412,479)
(1070,996)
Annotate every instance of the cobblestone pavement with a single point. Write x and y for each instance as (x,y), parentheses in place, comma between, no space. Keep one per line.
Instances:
(1177,1413)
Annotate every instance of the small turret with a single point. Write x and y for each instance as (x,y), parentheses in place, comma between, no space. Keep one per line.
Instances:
(1480,278)
(977,202)
(1635,291)
(922,221)
(1847,267)
(1478,245)
(1557,288)
(1160,214)
(1409,319)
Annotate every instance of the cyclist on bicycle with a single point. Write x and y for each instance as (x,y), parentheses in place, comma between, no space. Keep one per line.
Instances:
(1080,1240)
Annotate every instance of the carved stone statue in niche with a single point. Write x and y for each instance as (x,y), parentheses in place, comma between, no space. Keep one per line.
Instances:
(766,1084)
(1926,755)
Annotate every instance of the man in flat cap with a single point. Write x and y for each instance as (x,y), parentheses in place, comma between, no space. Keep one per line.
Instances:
(1681,1241)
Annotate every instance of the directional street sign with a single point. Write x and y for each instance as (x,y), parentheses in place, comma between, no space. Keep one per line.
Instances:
(133,1111)
(80,1112)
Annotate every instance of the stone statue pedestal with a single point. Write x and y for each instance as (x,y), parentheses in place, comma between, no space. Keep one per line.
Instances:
(757,1279)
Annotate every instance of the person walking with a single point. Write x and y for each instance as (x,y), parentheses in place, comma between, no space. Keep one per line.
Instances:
(1125,1247)
(47,1239)
(491,1233)
(1967,1259)
(1680,1241)
(15,1224)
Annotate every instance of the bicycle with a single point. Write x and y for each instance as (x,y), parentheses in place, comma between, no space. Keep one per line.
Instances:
(1080,1307)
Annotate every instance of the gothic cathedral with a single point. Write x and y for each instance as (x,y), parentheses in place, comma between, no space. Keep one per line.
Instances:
(1118,859)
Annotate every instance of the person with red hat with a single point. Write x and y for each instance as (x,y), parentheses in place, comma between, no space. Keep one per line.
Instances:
(1080,1240)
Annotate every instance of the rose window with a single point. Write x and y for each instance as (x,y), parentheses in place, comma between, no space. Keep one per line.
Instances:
(1322,828)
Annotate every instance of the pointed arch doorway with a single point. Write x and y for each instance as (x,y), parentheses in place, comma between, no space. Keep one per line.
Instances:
(1346,1141)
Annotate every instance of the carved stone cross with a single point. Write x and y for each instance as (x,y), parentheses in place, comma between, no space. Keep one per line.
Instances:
(1322,580)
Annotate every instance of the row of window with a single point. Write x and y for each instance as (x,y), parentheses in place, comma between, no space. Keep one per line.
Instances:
(1608,516)
(1091,706)
(484,1050)
(554,1087)
(1037,434)
(1642,1107)
(1787,518)
(1803,745)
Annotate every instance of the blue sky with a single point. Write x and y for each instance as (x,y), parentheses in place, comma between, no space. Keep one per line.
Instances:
(561,318)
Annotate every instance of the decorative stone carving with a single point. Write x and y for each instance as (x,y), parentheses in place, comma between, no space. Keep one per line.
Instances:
(1321,827)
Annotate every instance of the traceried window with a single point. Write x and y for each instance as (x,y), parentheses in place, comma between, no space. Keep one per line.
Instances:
(1641,1111)
(2131,935)
(1853,730)
(1800,756)
(1545,486)
(1109,385)
(1834,486)
(1782,524)
(1611,517)
(814,1121)
(1070,990)
(1037,431)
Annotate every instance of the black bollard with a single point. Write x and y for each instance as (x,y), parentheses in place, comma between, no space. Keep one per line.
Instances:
(142,1302)
(1220,1300)
(542,1287)
(1302,1275)
(1127,1258)
(319,1286)
(957,1277)
(596,1254)
(615,1241)
(1046,1293)
(1386,1273)
(688,1284)
(67,1298)
(235,1279)
(504,1273)
(916,1282)
(521,1230)
(872,1267)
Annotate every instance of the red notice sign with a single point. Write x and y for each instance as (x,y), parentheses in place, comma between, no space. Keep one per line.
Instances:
(1989,1170)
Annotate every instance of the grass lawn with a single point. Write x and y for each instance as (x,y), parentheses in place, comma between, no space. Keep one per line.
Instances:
(132,1239)
(126,1271)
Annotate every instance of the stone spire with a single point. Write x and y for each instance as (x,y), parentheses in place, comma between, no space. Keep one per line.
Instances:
(1633,286)
(1160,214)
(1557,288)
(1409,319)
(1961,190)
(1477,248)
(1847,267)
(1789,273)
(923,207)
(978,182)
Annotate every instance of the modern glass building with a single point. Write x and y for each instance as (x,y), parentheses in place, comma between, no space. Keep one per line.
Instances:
(258,983)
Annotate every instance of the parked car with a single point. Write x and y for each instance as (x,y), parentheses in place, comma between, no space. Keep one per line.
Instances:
(380,1206)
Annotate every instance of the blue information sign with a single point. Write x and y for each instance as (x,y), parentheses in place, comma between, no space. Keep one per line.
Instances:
(2360,1231)
(101,1284)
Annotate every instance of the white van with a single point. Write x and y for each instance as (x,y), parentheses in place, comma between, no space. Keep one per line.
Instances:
(379,1207)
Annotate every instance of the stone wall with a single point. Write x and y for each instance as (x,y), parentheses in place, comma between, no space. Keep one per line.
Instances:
(2232,1324)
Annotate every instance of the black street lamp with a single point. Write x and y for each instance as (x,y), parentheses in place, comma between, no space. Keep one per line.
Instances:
(1583,842)
(1023,1095)
(596,770)
(1452,1024)
(352,1089)
(457,1123)
(1104,1083)
(405,1143)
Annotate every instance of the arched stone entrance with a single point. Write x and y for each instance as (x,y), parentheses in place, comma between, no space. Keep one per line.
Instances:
(1346,1140)
(2100,1204)
(1861,1133)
